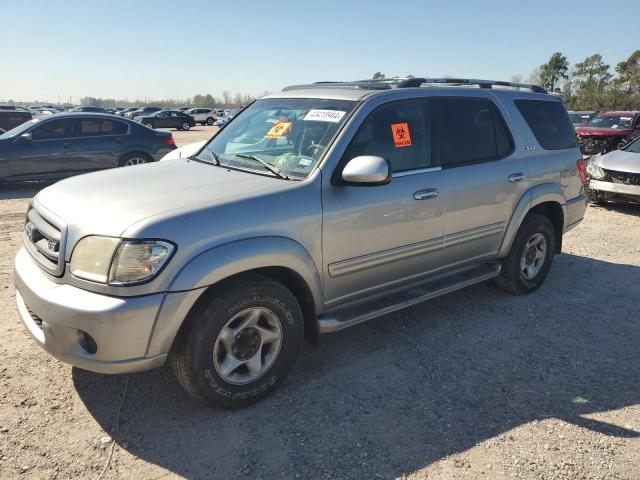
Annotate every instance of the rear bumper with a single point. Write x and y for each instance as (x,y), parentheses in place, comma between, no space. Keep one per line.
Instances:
(59,315)
(574,211)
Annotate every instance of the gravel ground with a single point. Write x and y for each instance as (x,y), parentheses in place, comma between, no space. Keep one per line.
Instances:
(476,384)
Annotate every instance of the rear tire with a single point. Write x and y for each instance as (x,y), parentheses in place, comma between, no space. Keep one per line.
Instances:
(225,354)
(185,126)
(149,125)
(530,258)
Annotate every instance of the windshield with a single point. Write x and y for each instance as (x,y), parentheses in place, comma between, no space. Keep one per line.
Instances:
(633,147)
(577,118)
(610,121)
(19,129)
(289,134)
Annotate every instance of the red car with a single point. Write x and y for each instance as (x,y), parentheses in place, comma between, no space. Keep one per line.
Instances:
(608,131)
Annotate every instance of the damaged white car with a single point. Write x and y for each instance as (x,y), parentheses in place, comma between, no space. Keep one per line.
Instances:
(616,175)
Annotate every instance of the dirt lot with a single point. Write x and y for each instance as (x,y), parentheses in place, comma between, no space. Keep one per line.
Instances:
(476,384)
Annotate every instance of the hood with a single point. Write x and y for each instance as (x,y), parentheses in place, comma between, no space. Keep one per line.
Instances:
(620,161)
(185,151)
(107,202)
(604,132)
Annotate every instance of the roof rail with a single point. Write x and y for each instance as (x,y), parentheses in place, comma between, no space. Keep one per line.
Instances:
(482,83)
(410,82)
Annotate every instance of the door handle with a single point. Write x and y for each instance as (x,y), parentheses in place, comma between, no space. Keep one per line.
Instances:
(426,194)
(516,177)
(66,145)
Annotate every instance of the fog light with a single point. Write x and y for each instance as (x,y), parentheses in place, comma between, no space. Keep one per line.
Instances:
(87,342)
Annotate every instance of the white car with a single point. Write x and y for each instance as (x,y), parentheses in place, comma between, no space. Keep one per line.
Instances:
(615,175)
(184,151)
(204,116)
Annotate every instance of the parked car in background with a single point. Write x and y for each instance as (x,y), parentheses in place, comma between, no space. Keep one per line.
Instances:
(615,175)
(67,144)
(184,109)
(141,112)
(167,119)
(204,116)
(11,117)
(581,117)
(228,116)
(122,112)
(185,151)
(315,209)
(608,131)
(88,110)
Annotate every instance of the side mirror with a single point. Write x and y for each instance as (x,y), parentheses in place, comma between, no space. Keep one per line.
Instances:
(366,170)
(26,137)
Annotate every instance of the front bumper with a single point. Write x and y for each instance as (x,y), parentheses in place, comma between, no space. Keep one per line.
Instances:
(59,315)
(616,188)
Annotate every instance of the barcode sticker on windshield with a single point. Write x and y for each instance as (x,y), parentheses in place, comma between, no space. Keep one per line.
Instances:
(325,115)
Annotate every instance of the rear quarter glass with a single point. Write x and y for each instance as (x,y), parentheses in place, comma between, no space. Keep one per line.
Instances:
(549,122)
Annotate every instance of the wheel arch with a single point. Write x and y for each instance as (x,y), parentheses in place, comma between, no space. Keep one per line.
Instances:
(279,258)
(545,199)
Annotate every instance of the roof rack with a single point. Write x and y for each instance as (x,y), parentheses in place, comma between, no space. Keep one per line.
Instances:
(460,82)
(412,82)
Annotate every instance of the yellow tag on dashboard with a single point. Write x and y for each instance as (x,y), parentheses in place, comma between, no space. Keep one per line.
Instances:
(278,130)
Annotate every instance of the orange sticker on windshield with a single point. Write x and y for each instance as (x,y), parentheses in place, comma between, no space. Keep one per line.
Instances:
(401,135)
(278,130)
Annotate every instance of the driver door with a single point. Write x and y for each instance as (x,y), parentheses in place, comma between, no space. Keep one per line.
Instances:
(375,238)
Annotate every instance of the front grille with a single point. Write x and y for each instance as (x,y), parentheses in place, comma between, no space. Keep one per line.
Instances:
(624,178)
(44,239)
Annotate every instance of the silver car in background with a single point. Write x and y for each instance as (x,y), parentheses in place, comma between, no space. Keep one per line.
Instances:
(312,210)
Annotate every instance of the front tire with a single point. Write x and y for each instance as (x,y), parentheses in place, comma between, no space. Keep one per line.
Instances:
(530,258)
(238,346)
(209,121)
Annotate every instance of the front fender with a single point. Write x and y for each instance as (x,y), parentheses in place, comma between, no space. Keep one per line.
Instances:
(218,263)
(545,192)
(240,256)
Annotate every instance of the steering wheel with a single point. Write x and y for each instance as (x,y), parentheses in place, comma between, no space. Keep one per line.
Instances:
(315,147)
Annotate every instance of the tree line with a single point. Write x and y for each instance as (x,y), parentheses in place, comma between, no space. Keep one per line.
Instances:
(227,100)
(591,84)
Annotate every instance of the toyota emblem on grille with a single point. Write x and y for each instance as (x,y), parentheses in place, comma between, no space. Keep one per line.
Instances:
(28,230)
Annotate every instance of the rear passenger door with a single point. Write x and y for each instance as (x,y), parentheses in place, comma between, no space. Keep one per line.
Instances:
(484,176)
(98,143)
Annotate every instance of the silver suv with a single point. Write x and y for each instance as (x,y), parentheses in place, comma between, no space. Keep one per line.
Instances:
(314,209)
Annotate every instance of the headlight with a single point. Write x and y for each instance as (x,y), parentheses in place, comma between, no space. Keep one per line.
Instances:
(594,170)
(119,262)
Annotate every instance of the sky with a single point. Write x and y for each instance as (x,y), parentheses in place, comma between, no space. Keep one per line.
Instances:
(59,49)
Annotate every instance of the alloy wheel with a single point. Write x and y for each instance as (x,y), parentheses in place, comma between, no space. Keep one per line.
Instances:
(247,346)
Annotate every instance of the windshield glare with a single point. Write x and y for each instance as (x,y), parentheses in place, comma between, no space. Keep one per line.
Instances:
(610,121)
(290,134)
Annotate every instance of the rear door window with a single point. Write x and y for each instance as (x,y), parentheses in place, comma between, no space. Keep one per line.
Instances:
(97,126)
(467,131)
(549,122)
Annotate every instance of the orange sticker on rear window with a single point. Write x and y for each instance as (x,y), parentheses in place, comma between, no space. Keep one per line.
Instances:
(401,135)
(278,130)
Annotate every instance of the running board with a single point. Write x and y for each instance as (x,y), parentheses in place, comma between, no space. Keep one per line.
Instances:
(348,316)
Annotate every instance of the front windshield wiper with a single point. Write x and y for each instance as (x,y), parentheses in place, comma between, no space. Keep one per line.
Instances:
(275,170)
